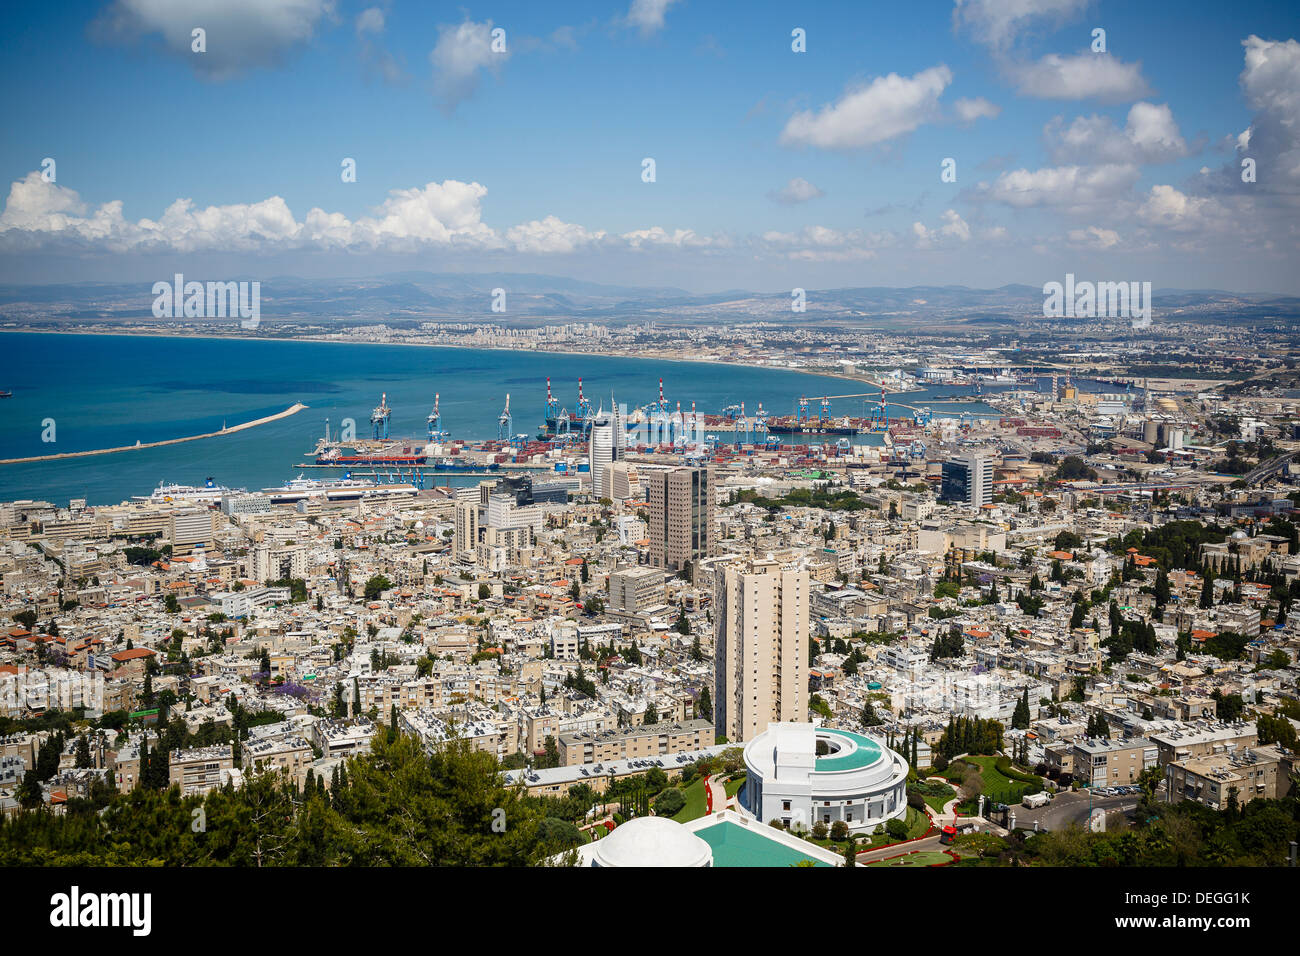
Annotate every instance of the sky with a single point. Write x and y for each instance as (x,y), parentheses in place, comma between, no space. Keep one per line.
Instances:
(812,145)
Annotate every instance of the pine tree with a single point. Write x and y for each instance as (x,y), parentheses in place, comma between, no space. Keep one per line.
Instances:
(704,706)
(1207,592)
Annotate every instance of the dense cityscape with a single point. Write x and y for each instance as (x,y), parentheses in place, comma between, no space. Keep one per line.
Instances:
(1054,634)
(519,441)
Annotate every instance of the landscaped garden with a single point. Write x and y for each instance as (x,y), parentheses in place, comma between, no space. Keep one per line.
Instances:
(922,858)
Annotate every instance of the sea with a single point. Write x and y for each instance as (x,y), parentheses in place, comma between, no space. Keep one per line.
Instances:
(76,392)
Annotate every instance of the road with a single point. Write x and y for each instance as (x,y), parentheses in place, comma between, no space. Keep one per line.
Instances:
(871,856)
(1068,808)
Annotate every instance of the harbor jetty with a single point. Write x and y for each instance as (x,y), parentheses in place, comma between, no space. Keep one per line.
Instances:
(293,409)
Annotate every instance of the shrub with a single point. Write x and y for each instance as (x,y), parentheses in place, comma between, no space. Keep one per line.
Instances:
(897,829)
(839,830)
(669,803)
(820,830)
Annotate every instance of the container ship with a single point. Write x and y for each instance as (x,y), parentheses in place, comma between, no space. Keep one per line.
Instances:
(406,455)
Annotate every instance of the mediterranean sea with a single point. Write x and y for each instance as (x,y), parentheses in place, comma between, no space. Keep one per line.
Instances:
(102,391)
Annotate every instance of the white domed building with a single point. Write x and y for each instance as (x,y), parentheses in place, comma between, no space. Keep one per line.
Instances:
(651,841)
(803,774)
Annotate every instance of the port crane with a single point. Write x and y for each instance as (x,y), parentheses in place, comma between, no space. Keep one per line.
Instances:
(435,420)
(880,417)
(379,418)
(552,403)
(504,423)
(586,414)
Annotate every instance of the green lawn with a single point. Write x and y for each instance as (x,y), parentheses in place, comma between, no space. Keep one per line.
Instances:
(917,824)
(997,786)
(936,802)
(695,802)
(734,785)
(926,858)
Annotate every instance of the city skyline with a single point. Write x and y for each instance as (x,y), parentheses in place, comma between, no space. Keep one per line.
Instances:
(773,169)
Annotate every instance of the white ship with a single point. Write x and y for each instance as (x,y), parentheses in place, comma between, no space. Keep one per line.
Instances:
(1004,377)
(208,493)
(334,489)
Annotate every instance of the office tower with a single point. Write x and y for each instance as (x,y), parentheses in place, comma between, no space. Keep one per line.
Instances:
(968,479)
(760,657)
(623,481)
(601,452)
(681,515)
(466,537)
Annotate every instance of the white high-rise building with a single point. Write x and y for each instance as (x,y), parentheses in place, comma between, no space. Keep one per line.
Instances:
(601,452)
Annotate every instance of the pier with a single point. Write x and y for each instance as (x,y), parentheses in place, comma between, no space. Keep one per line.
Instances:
(293,409)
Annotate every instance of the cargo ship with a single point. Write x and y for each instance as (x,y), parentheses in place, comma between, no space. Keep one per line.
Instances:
(407,455)
(451,464)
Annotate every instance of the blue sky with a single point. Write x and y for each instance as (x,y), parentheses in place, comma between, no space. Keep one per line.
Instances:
(773,168)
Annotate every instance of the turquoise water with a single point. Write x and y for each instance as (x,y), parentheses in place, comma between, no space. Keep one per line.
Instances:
(102,391)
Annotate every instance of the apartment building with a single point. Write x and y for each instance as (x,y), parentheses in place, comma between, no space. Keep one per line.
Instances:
(1203,740)
(634,589)
(635,743)
(1103,762)
(1217,780)
(465,537)
(200,769)
(761,647)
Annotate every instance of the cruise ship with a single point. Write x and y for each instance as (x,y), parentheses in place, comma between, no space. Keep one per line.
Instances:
(207,493)
(334,489)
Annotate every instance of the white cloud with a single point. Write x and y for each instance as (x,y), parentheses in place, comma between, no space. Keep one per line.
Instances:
(997,23)
(437,214)
(1094,237)
(824,244)
(1168,207)
(797,190)
(370,20)
(461,54)
(550,235)
(658,236)
(888,107)
(240,34)
(1271,82)
(648,15)
(954,227)
(969,110)
(1149,136)
(1083,76)
(370,30)
(1061,186)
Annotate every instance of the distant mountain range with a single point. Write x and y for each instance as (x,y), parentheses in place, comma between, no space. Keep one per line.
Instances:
(405,297)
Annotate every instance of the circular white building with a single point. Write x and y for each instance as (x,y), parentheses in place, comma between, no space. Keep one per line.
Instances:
(854,778)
